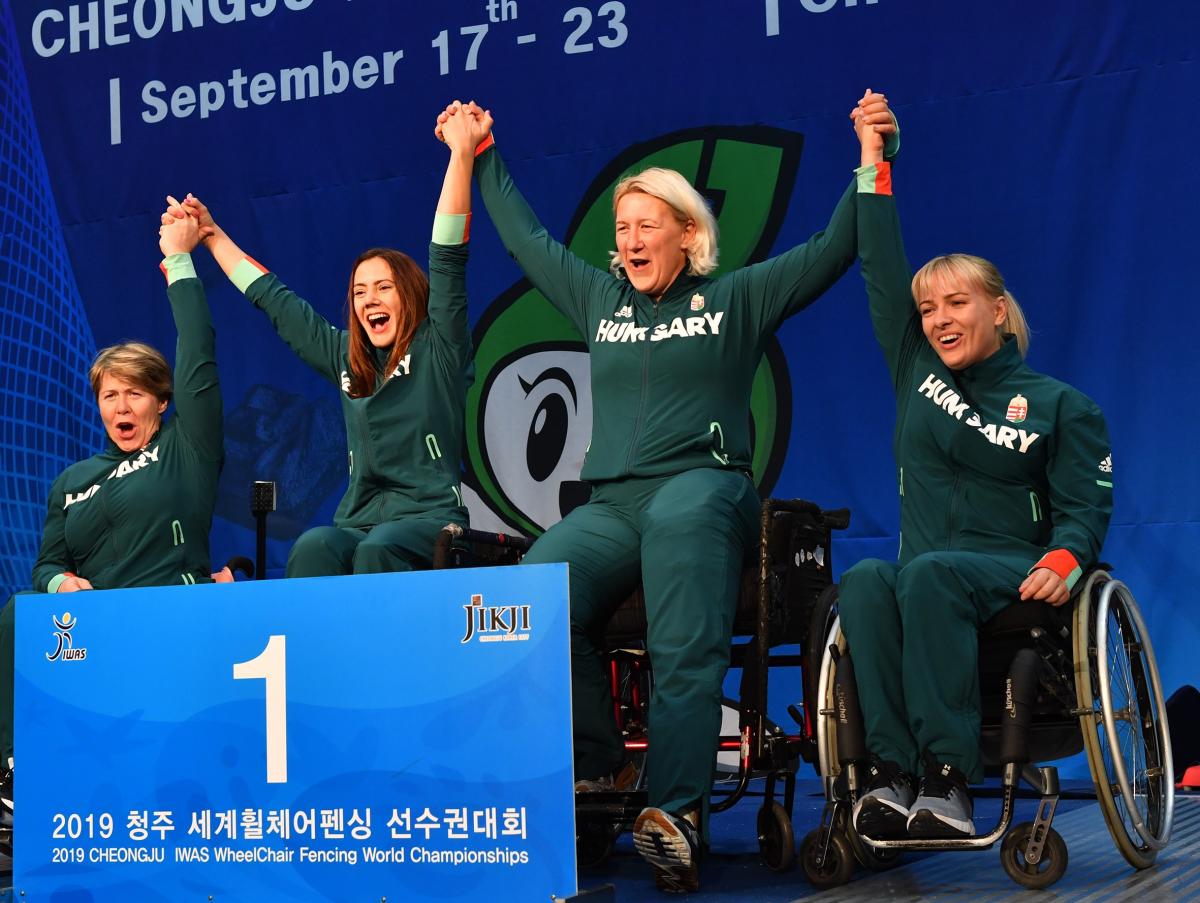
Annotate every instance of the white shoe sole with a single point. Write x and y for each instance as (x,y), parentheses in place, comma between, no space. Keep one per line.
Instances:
(660,842)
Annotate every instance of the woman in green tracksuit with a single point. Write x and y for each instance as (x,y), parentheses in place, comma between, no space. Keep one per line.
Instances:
(138,513)
(403,366)
(1005,480)
(673,352)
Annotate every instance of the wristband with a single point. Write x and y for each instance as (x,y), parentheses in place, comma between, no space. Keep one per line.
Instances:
(246,272)
(177,266)
(1062,563)
(57,581)
(451,228)
(875,178)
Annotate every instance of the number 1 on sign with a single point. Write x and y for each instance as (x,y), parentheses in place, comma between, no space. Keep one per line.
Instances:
(271,665)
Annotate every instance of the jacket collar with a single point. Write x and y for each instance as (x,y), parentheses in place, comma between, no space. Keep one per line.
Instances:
(995,367)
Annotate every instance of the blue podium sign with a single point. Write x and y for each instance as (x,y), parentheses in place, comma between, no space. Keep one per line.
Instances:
(383,737)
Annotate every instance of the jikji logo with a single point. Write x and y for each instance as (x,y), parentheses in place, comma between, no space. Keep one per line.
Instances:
(529,412)
(65,650)
(495,623)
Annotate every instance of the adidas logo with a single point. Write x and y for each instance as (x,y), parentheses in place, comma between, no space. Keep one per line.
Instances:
(1106,464)
(626,311)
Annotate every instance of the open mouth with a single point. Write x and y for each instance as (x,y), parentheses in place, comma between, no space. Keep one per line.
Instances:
(950,339)
(637,264)
(126,429)
(377,322)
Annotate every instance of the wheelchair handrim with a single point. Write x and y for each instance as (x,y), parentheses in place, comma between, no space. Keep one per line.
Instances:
(825,752)
(1146,652)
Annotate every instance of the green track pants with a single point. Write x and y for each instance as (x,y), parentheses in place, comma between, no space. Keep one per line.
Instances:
(402,545)
(686,536)
(913,632)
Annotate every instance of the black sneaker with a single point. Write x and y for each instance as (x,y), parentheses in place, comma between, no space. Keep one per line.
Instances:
(881,813)
(671,844)
(943,806)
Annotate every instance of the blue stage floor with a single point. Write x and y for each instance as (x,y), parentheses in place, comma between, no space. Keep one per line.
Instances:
(1095,869)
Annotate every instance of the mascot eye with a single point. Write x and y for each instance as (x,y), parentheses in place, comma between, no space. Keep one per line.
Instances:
(537,425)
(551,421)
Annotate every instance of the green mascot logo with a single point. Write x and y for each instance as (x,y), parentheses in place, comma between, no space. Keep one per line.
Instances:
(529,412)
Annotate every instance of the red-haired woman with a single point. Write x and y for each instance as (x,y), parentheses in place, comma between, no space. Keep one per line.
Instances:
(402,366)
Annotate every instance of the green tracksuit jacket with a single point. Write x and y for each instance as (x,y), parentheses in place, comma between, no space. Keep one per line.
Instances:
(1001,470)
(405,439)
(670,447)
(142,518)
(995,458)
(670,381)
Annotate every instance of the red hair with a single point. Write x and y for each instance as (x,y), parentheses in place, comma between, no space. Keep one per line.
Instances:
(412,286)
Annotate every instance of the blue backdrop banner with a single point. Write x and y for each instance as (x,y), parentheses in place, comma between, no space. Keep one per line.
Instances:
(352,738)
(1053,139)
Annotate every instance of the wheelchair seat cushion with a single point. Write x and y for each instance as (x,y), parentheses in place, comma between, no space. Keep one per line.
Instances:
(1021,617)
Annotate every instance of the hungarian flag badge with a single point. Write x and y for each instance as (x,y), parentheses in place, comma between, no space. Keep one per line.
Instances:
(1018,409)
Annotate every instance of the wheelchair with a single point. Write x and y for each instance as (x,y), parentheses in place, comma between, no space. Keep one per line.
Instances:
(1052,681)
(776,601)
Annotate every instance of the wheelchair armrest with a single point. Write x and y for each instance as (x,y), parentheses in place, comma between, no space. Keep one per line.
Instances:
(452,535)
(835,519)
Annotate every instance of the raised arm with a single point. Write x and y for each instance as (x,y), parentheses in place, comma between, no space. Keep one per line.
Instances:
(885,268)
(786,284)
(452,229)
(568,282)
(197,387)
(314,339)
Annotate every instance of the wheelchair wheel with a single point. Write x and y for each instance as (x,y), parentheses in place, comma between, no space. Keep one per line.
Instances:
(838,865)
(824,613)
(869,857)
(1125,722)
(776,841)
(1051,867)
(827,756)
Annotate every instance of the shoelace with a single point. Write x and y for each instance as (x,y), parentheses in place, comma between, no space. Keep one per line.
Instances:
(885,773)
(936,784)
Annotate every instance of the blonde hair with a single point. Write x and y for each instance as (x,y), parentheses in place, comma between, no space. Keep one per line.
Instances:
(985,275)
(134,362)
(686,203)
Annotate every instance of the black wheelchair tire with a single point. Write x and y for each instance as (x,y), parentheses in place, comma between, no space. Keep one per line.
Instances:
(838,867)
(776,839)
(1051,867)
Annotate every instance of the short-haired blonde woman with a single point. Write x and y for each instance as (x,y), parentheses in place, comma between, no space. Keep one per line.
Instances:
(674,348)
(138,513)
(1005,482)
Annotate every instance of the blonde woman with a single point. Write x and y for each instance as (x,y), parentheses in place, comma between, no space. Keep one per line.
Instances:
(674,348)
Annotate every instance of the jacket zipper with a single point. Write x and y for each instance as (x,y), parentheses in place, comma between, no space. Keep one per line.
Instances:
(635,436)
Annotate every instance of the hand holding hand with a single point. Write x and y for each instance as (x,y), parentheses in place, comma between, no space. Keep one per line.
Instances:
(463,126)
(73,584)
(178,234)
(1044,585)
(872,120)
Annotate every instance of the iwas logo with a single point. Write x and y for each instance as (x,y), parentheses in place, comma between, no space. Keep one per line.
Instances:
(529,412)
(65,651)
(495,623)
